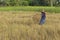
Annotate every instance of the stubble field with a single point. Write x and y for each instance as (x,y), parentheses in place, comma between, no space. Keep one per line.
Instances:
(21,25)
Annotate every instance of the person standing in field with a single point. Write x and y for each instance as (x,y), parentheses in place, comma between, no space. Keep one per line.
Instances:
(43,17)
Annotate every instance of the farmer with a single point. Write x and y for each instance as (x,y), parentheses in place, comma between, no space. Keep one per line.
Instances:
(43,17)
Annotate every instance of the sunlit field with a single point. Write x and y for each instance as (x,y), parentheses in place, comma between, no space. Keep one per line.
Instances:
(21,25)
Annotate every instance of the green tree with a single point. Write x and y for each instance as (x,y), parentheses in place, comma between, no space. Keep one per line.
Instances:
(51,2)
(37,2)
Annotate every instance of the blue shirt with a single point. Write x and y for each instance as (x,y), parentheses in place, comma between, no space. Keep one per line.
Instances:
(43,15)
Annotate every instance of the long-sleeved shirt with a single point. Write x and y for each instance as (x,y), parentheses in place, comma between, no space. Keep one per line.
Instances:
(43,15)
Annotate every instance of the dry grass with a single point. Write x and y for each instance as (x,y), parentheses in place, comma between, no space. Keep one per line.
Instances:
(21,26)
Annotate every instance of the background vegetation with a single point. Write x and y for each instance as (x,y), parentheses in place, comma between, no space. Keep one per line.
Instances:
(30,5)
(31,8)
(29,2)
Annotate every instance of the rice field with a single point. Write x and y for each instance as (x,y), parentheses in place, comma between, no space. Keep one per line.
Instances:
(20,25)
(30,8)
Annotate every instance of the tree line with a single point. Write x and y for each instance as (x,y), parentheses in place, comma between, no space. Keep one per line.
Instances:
(29,2)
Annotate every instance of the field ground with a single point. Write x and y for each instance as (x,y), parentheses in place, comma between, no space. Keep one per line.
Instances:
(20,25)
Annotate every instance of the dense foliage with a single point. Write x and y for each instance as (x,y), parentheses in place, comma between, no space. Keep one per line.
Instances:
(29,2)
